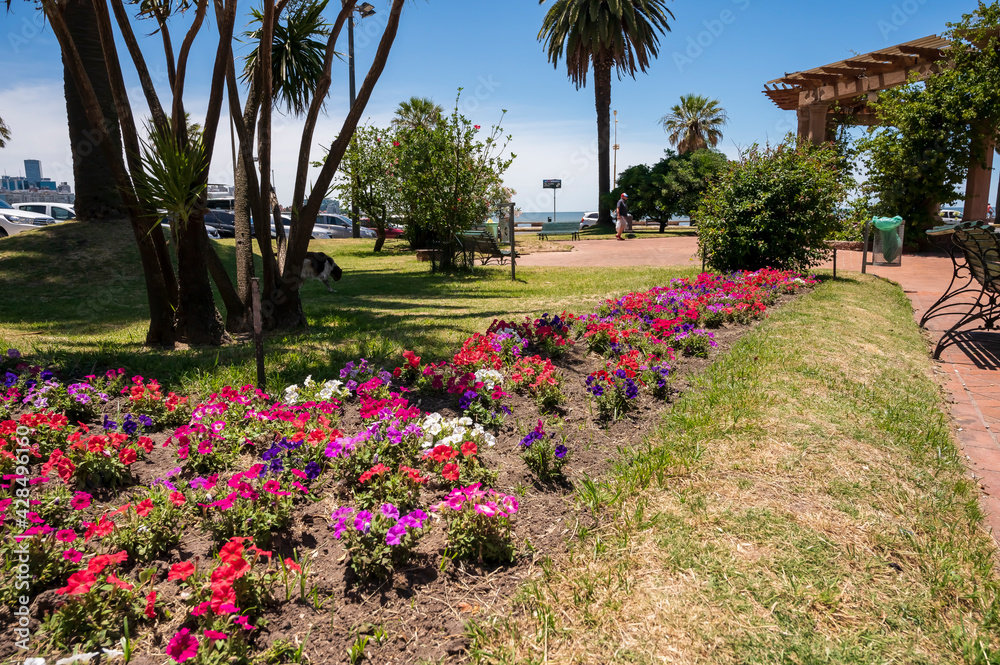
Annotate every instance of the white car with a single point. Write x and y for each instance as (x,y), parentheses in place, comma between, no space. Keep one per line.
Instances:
(60,212)
(335,222)
(13,221)
(589,219)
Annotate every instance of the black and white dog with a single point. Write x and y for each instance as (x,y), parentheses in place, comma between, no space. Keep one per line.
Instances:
(318,265)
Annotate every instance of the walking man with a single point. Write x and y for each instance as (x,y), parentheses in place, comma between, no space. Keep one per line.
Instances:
(622,211)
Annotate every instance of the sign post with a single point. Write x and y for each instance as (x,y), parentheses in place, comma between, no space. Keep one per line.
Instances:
(553,185)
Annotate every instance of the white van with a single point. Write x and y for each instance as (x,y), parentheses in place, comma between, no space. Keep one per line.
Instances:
(60,212)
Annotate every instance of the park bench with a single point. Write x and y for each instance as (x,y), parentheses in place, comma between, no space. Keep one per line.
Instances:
(975,256)
(572,228)
(481,243)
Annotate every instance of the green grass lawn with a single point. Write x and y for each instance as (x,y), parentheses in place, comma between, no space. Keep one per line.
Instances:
(74,295)
(804,502)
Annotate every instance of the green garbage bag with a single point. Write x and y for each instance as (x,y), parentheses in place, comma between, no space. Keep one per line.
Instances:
(888,230)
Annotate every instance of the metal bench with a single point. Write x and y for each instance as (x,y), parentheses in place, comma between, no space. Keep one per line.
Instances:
(572,228)
(975,256)
(482,244)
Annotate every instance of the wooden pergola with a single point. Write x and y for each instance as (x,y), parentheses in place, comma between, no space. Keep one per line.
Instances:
(849,85)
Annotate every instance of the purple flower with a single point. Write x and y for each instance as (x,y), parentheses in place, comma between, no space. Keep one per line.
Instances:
(13,354)
(363,521)
(390,511)
(9,379)
(561,451)
(109,424)
(395,534)
(145,420)
(312,470)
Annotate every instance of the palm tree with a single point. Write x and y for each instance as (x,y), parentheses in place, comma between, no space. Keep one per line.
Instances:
(695,123)
(417,113)
(608,34)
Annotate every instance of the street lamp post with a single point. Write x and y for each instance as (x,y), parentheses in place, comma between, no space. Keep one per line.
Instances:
(365,10)
(615,146)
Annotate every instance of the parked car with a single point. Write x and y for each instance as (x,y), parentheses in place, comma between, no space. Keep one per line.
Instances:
(212,232)
(950,216)
(60,212)
(391,230)
(589,219)
(344,223)
(14,221)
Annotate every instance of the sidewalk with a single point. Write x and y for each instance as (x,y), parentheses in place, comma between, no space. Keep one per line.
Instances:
(969,371)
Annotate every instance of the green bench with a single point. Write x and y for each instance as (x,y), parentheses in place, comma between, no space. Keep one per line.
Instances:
(553,228)
(975,255)
(482,244)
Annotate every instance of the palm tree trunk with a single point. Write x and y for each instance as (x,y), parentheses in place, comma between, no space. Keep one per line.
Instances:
(197,318)
(602,100)
(97,195)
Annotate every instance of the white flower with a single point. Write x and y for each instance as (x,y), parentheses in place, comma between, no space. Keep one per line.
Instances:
(292,394)
(309,383)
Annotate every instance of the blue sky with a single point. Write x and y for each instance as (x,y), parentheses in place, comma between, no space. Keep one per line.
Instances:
(725,49)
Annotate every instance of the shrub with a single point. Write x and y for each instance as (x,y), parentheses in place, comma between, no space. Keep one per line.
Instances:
(773,208)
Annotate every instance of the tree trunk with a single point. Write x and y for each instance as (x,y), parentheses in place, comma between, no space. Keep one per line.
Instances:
(237,320)
(380,233)
(242,208)
(97,195)
(198,321)
(602,99)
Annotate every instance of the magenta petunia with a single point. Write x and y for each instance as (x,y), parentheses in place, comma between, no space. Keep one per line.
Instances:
(183,646)
(66,535)
(73,555)
(215,635)
(80,501)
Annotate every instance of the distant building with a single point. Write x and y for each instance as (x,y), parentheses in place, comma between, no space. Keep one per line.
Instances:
(33,170)
(64,188)
(331,206)
(13,183)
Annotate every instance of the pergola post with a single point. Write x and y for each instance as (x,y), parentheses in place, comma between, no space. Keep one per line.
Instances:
(817,122)
(803,114)
(977,185)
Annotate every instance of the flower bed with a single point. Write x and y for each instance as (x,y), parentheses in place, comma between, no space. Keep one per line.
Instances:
(215,524)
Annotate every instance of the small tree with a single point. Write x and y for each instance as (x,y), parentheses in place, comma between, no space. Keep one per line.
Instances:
(369,174)
(673,186)
(449,179)
(773,208)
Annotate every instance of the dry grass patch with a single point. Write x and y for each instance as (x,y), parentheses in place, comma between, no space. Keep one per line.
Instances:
(804,502)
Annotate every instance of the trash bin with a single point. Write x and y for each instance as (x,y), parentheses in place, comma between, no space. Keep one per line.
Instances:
(492,227)
(887,243)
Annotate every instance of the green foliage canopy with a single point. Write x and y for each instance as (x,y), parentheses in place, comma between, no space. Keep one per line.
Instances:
(672,186)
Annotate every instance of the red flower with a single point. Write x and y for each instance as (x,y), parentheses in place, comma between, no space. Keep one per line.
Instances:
(374,471)
(450,472)
(181,571)
(469,448)
(231,551)
(121,584)
(151,605)
(144,508)
(79,582)
(126,456)
(291,565)
(177,499)
(222,594)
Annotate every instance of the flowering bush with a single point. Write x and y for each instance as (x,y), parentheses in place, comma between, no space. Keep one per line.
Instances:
(539,377)
(694,341)
(149,527)
(616,392)
(377,541)
(146,397)
(479,523)
(254,506)
(97,459)
(482,400)
(542,455)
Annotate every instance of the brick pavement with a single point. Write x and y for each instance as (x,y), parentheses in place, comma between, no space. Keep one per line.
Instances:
(969,371)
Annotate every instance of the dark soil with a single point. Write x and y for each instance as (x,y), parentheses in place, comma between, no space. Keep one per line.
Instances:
(418,615)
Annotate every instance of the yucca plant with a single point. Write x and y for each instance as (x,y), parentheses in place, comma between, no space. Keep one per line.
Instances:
(171,175)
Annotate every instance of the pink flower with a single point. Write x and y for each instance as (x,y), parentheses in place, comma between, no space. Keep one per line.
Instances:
(218,426)
(66,536)
(486,509)
(182,646)
(272,486)
(200,609)
(215,635)
(80,501)
(244,621)
(72,555)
